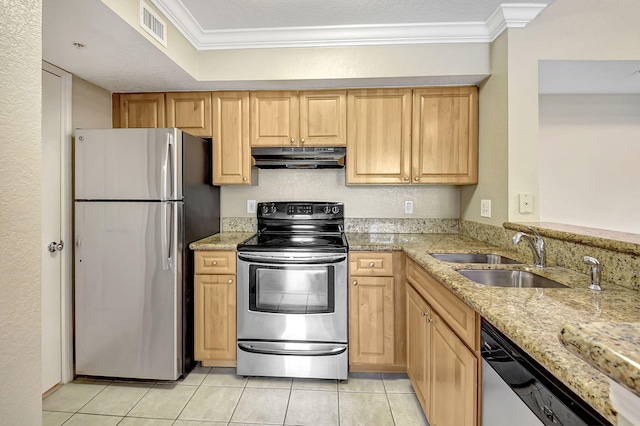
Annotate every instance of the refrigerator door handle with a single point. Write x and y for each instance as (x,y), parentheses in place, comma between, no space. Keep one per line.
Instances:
(167,236)
(167,171)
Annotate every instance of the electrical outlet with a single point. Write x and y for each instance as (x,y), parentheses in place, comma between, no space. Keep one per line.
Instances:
(525,202)
(251,206)
(408,207)
(485,208)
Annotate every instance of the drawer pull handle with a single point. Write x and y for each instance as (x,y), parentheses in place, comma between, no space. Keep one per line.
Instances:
(214,263)
(371,265)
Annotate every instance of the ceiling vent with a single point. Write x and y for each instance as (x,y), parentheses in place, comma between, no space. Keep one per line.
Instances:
(153,24)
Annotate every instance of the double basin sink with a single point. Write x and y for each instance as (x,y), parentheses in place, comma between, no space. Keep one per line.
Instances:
(497,277)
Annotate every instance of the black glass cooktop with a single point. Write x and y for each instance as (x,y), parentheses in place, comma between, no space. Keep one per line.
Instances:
(296,242)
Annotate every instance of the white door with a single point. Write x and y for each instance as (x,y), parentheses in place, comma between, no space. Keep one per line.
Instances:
(55,351)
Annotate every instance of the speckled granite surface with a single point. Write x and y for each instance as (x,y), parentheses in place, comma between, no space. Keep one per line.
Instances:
(221,241)
(239,224)
(613,348)
(620,264)
(402,226)
(531,317)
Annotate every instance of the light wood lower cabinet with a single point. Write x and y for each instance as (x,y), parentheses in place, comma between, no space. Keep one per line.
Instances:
(443,370)
(215,308)
(376,322)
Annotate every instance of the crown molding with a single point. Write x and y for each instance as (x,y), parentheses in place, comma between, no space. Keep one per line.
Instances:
(510,15)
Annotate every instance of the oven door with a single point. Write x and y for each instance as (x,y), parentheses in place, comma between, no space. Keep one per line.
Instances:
(292,297)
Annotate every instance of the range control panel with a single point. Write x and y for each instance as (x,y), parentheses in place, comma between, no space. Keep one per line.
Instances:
(306,210)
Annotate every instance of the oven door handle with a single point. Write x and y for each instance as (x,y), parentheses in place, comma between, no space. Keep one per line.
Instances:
(336,350)
(290,260)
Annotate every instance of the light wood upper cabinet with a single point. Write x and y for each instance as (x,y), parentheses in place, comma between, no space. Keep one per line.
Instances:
(274,118)
(139,110)
(309,118)
(190,112)
(445,135)
(323,118)
(232,162)
(379,136)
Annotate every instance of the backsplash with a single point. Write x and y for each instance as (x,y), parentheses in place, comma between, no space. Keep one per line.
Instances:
(401,226)
(620,266)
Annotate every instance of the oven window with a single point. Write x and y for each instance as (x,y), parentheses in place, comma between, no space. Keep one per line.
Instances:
(291,289)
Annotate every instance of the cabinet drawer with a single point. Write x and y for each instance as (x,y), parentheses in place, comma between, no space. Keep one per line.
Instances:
(371,264)
(460,317)
(215,262)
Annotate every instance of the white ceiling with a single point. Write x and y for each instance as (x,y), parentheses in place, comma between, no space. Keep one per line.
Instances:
(119,59)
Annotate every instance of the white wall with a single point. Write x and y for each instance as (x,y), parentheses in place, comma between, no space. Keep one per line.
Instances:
(91,105)
(566,30)
(361,201)
(589,152)
(20,124)
(494,143)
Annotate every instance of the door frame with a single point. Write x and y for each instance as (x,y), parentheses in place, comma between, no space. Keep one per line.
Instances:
(66,223)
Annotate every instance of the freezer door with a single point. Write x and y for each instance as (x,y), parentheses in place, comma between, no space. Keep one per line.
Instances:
(128,164)
(128,289)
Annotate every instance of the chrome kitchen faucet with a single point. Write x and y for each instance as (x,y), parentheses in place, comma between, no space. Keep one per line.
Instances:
(536,244)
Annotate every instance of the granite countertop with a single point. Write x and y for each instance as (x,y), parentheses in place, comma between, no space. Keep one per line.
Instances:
(613,348)
(530,317)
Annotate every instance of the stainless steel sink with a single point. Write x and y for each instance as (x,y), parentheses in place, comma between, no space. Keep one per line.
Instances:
(473,258)
(508,278)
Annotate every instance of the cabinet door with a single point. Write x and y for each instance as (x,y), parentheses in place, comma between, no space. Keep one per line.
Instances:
(215,317)
(454,378)
(231,150)
(323,118)
(371,323)
(445,135)
(378,136)
(141,110)
(190,111)
(418,347)
(274,118)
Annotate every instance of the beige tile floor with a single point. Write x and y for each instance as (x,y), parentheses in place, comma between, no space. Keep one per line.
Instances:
(217,397)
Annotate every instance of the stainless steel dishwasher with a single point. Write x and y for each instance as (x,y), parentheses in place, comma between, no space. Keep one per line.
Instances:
(518,390)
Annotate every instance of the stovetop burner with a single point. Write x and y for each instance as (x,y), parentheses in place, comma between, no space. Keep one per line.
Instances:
(298,226)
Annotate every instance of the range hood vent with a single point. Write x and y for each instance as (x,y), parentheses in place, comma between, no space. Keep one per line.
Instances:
(299,157)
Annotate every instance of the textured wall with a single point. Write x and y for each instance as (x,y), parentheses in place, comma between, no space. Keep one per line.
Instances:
(20,122)
(361,201)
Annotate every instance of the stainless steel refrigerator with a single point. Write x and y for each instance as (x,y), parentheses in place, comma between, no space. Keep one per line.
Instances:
(141,196)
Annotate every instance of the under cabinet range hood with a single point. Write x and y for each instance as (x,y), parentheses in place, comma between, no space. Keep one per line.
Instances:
(299,157)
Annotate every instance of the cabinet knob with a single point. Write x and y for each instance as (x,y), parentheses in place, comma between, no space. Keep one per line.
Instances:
(244,178)
(293,140)
(371,264)
(302,140)
(417,179)
(355,282)
(230,281)
(214,263)
(406,178)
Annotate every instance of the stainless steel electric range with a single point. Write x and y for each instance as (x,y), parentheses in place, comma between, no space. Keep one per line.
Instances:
(292,293)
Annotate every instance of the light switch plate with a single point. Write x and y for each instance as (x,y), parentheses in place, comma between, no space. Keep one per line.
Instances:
(525,202)
(408,207)
(251,206)
(485,208)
